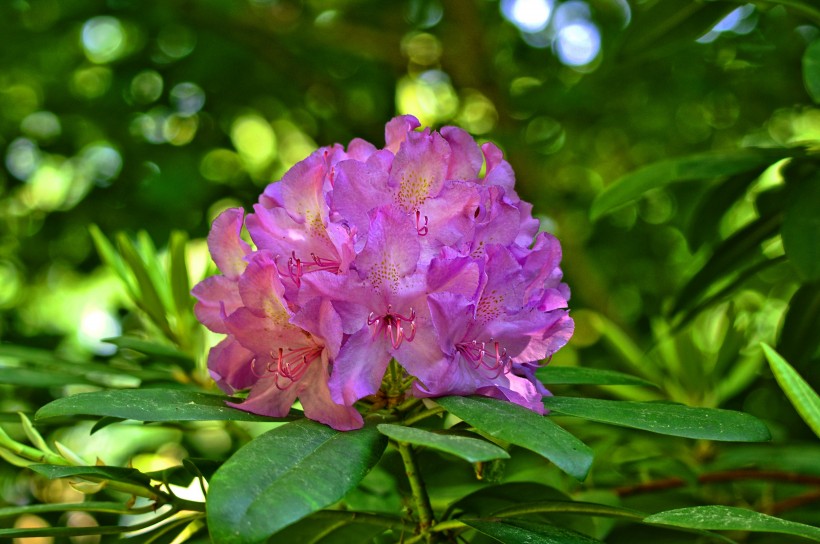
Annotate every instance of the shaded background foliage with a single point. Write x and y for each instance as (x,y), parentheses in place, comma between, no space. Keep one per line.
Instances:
(155,116)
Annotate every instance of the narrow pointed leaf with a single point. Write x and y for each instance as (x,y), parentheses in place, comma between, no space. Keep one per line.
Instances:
(811,70)
(670,419)
(160,351)
(571,375)
(525,428)
(568,507)
(804,399)
(695,167)
(119,474)
(285,475)
(111,258)
(801,229)
(149,300)
(798,339)
(727,518)
(30,377)
(519,531)
(473,450)
(180,286)
(150,405)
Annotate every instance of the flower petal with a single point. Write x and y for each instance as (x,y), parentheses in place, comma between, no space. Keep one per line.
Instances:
(466,158)
(217,296)
(227,249)
(395,132)
(318,404)
(359,368)
(229,364)
(419,169)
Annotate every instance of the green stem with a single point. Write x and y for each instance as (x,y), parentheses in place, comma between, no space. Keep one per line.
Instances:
(105,507)
(422,415)
(425,511)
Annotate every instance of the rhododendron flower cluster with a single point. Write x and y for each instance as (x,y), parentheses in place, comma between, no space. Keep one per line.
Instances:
(420,252)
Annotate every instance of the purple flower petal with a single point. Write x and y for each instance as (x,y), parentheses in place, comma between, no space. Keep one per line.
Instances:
(226,247)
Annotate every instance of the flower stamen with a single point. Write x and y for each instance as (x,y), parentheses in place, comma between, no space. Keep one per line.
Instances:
(421,229)
(392,325)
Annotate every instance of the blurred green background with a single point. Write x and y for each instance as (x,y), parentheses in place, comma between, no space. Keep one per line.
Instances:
(154,116)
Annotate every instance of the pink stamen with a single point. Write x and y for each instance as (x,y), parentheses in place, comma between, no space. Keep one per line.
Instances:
(392,325)
(421,229)
(296,267)
(289,365)
(495,360)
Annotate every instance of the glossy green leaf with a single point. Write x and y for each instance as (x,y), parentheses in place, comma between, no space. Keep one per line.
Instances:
(486,500)
(811,70)
(337,527)
(804,399)
(801,229)
(670,419)
(473,450)
(695,167)
(150,405)
(87,506)
(516,425)
(518,531)
(568,507)
(727,518)
(285,475)
(571,375)
(66,532)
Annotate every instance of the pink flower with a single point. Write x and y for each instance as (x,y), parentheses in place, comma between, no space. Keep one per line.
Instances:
(364,255)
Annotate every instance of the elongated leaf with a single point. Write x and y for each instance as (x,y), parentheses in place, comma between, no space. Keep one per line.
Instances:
(525,428)
(111,258)
(695,167)
(727,518)
(671,419)
(519,531)
(80,531)
(566,375)
(486,500)
(568,507)
(337,527)
(149,300)
(88,506)
(285,475)
(469,449)
(727,258)
(801,229)
(119,474)
(798,336)
(811,70)
(150,405)
(804,399)
(30,377)
(705,220)
(153,349)
(180,287)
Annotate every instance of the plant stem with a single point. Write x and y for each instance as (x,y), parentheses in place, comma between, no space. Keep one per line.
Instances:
(422,415)
(425,511)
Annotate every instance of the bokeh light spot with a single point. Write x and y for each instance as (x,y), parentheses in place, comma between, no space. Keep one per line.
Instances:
(430,97)
(528,15)
(43,126)
(577,44)
(176,41)
(478,114)
(146,87)
(254,139)
(188,98)
(91,82)
(103,39)
(220,165)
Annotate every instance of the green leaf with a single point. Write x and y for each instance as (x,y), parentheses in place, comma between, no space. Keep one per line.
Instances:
(571,375)
(695,167)
(798,339)
(801,229)
(519,532)
(150,405)
(568,507)
(149,299)
(111,258)
(160,351)
(727,518)
(727,258)
(517,425)
(285,475)
(337,527)
(119,474)
(670,419)
(804,399)
(473,450)
(180,286)
(485,500)
(30,377)
(811,70)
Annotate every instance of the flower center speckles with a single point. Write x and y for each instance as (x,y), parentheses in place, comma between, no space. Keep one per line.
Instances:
(487,355)
(287,366)
(296,267)
(394,326)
